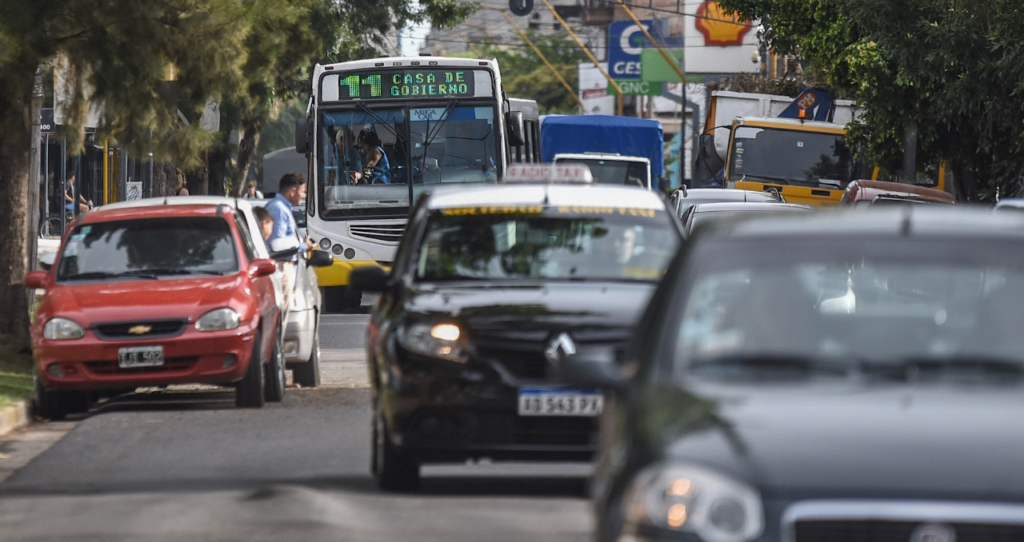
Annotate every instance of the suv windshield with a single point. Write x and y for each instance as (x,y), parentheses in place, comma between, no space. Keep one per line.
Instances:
(614,171)
(546,243)
(866,300)
(790,157)
(367,155)
(148,248)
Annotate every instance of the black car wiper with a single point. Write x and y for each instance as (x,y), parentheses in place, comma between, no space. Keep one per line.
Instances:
(792,363)
(913,368)
(108,275)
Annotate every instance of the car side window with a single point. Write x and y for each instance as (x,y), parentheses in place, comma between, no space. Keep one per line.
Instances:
(247,244)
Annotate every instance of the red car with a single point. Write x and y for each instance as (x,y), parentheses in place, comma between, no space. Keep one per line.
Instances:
(151,296)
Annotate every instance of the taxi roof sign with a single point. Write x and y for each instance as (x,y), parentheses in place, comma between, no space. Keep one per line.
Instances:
(549,173)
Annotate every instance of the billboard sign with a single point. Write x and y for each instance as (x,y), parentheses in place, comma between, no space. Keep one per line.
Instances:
(625,43)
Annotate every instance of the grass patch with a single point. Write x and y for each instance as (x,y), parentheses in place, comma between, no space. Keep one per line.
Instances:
(15,369)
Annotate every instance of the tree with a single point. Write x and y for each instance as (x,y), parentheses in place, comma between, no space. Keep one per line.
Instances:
(524,74)
(148,63)
(954,67)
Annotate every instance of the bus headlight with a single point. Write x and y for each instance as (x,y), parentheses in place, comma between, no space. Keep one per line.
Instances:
(325,244)
(337,250)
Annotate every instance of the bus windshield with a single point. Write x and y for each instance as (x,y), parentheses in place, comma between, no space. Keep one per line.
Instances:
(790,157)
(369,156)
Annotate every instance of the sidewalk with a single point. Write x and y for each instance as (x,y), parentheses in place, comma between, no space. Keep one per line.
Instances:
(13,416)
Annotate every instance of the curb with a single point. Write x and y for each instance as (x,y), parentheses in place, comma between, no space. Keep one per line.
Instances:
(13,417)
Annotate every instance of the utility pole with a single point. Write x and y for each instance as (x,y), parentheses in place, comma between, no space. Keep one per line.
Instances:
(33,176)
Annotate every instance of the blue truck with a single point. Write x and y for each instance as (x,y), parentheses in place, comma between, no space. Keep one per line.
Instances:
(619,150)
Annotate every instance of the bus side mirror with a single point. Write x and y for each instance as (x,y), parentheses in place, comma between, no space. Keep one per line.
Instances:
(516,128)
(302,135)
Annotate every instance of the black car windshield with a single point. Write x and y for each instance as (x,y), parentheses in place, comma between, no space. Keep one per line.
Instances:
(853,301)
(147,248)
(790,157)
(546,243)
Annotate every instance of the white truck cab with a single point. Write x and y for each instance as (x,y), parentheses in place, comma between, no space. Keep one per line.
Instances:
(612,168)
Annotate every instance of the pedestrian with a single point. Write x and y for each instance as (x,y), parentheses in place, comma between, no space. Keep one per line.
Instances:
(69,197)
(266,221)
(291,191)
(251,192)
(181,189)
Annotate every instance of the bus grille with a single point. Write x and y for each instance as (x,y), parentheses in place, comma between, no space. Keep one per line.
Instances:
(388,233)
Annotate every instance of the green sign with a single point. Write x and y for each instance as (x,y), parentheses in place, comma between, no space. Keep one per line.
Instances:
(653,67)
(637,88)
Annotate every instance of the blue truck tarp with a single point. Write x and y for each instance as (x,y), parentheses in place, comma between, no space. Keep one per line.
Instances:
(627,136)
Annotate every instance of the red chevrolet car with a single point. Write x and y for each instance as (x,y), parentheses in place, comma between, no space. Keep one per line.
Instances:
(151,296)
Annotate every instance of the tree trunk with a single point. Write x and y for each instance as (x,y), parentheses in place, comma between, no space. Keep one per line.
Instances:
(217,162)
(15,148)
(165,179)
(198,181)
(246,151)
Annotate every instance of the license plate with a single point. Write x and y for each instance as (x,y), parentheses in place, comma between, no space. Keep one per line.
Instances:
(560,402)
(140,356)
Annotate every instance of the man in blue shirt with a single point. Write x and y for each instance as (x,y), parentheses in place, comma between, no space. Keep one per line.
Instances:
(291,191)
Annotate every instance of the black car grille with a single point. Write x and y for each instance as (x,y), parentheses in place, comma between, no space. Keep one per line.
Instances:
(520,352)
(171,365)
(527,365)
(124,330)
(564,431)
(899,531)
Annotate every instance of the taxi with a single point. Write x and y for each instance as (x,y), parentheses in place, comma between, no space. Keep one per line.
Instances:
(489,285)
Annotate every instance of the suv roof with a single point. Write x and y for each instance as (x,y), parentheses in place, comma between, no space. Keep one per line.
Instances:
(577,195)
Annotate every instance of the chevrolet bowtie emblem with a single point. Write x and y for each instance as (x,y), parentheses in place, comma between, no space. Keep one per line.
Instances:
(562,345)
(140,330)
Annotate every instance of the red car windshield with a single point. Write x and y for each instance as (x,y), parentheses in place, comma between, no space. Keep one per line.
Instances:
(148,248)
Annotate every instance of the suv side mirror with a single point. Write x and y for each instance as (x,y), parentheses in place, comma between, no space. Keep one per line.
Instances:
(516,128)
(371,278)
(302,135)
(35,279)
(320,258)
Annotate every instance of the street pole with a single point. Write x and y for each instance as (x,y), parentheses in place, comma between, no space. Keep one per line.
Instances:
(33,177)
(565,25)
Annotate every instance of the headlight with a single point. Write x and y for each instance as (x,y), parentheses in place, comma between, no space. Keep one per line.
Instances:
(434,340)
(62,329)
(696,500)
(218,320)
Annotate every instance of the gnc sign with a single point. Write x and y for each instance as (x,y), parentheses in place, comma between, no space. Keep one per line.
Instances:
(719,28)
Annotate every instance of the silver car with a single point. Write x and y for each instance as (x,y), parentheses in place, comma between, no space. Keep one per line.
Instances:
(301,334)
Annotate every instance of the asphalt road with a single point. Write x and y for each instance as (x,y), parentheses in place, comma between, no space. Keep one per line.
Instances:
(187,465)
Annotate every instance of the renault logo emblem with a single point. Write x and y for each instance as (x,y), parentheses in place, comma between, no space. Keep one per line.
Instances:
(140,330)
(561,345)
(933,532)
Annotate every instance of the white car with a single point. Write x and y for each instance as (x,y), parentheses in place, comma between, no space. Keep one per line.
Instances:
(301,334)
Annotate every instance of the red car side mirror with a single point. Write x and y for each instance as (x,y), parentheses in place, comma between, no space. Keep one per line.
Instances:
(262,268)
(35,279)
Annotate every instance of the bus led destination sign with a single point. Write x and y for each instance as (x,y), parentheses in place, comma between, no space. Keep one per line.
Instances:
(406,84)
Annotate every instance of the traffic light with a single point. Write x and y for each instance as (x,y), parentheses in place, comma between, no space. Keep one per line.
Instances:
(520,7)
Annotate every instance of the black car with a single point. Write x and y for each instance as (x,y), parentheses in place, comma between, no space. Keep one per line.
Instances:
(840,378)
(489,283)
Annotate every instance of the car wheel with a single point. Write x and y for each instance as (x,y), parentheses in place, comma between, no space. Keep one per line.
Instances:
(276,375)
(393,468)
(47,404)
(249,393)
(307,374)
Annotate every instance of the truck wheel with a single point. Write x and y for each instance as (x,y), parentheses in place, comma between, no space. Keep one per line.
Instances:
(276,375)
(393,468)
(249,393)
(307,374)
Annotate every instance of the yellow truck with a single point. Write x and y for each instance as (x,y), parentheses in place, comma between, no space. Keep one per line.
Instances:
(767,143)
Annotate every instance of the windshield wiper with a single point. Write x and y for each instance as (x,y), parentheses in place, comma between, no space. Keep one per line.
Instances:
(793,363)
(769,178)
(109,275)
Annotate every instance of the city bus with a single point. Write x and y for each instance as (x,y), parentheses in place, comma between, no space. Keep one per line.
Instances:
(380,132)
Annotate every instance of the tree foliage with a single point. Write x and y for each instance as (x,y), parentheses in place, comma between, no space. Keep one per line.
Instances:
(956,67)
(524,74)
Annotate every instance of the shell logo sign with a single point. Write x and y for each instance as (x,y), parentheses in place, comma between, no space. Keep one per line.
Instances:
(719,28)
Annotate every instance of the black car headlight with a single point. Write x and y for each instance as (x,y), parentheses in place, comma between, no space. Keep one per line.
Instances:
(435,340)
(691,499)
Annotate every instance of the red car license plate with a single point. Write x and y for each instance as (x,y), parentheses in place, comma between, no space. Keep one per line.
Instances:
(140,356)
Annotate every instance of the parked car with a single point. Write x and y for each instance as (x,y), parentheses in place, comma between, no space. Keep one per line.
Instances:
(1012,205)
(148,294)
(848,377)
(703,213)
(683,198)
(863,192)
(302,330)
(488,283)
